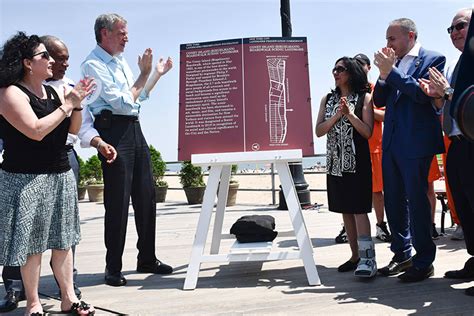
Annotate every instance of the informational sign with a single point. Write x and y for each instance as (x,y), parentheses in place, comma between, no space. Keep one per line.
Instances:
(242,95)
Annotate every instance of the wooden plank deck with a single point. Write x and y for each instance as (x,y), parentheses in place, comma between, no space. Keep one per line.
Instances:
(276,288)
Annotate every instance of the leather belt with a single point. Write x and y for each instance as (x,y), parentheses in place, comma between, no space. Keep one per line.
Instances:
(122,118)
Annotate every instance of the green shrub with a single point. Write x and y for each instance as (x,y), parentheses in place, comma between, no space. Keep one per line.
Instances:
(191,176)
(92,171)
(158,167)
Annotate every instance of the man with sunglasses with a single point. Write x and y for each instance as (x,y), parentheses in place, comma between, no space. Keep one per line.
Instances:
(459,166)
(412,136)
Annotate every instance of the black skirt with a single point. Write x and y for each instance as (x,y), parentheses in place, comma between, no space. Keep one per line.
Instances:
(352,193)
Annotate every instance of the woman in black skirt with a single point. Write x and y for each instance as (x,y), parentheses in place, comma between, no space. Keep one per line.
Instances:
(346,117)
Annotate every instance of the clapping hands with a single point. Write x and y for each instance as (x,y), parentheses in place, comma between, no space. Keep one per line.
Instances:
(385,59)
(163,67)
(436,84)
(80,91)
(145,62)
(344,107)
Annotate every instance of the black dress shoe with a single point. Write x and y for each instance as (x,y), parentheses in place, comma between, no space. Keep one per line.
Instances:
(114,279)
(459,274)
(10,302)
(156,267)
(465,273)
(414,274)
(395,267)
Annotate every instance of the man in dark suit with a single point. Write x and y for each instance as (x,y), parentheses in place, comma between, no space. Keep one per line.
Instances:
(459,166)
(412,136)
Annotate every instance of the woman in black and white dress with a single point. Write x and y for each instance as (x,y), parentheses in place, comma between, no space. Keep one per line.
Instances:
(346,116)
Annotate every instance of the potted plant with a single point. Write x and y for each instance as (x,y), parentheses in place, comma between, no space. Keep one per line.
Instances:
(81,187)
(191,179)
(233,187)
(158,169)
(94,179)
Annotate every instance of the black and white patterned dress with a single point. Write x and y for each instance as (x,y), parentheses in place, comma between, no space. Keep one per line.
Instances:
(349,171)
(38,194)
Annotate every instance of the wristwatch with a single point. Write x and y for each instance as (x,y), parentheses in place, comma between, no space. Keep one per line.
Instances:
(448,92)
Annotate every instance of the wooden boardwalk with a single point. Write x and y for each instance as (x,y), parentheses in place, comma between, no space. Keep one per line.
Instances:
(276,288)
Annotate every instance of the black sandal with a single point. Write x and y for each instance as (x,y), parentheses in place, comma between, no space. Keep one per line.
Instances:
(348,266)
(76,307)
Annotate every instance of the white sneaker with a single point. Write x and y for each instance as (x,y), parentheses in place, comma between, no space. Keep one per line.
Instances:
(366,268)
(458,234)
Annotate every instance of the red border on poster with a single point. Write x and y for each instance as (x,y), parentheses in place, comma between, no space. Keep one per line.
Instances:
(244,95)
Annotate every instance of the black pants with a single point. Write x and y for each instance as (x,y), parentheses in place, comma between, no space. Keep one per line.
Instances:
(460,172)
(130,175)
(11,275)
(12,279)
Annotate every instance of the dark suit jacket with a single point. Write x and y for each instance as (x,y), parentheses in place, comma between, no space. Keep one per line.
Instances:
(409,115)
(465,76)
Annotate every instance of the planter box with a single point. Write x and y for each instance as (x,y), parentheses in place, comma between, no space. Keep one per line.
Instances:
(232,194)
(194,195)
(160,194)
(81,193)
(95,192)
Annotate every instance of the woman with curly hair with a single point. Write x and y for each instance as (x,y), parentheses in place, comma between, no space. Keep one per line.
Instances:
(346,116)
(38,199)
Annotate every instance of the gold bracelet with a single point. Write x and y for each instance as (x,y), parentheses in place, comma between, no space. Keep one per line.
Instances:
(63,110)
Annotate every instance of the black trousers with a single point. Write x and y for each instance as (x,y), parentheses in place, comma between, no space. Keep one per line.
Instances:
(130,175)
(11,275)
(460,172)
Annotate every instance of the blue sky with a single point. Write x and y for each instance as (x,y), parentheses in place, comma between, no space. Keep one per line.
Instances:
(334,28)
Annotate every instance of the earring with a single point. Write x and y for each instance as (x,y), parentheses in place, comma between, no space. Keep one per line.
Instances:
(30,71)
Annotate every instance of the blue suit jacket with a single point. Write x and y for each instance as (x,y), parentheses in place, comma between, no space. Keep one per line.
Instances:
(409,115)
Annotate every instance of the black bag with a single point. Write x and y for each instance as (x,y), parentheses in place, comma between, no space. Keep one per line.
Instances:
(254,228)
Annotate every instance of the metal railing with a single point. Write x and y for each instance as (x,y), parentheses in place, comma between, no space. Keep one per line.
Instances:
(274,190)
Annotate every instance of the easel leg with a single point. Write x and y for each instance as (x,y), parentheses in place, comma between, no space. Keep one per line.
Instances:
(220,210)
(294,209)
(202,228)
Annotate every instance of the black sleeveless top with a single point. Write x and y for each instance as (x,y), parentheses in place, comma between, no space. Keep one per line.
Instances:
(25,155)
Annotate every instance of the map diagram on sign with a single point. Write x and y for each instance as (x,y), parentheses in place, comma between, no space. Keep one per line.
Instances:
(277,100)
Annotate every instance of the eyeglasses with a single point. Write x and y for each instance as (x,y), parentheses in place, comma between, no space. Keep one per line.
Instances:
(459,26)
(44,54)
(339,69)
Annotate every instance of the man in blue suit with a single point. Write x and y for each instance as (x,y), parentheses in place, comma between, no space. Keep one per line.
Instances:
(412,136)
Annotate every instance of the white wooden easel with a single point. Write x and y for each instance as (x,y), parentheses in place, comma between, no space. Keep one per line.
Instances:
(219,175)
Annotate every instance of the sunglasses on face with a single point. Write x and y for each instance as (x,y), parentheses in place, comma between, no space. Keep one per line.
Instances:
(459,26)
(44,54)
(339,69)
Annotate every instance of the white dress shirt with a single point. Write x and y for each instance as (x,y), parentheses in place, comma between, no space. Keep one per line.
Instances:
(87,131)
